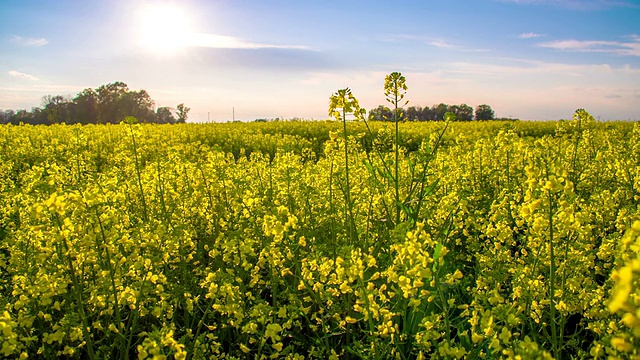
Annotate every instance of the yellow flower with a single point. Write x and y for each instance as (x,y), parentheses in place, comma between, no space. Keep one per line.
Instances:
(272,332)
(476,338)
(505,335)
(621,344)
(113,328)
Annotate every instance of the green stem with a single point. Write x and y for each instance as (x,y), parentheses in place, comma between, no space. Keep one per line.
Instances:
(77,287)
(552,280)
(112,274)
(397,179)
(350,221)
(135,154)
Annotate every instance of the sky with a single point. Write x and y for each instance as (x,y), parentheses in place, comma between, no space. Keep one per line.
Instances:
(249,59)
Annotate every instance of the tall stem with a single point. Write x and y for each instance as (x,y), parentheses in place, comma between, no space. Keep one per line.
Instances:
(552,280)
(349,220)
(135,154)
(78,289)
(396,178)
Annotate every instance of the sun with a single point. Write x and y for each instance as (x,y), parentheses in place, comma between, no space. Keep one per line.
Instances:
(164,28)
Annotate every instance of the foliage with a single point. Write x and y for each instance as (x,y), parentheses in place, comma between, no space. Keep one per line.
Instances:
(463,112)
(229,240)
(108,103)
(164,115)
(183,112)
(484,112)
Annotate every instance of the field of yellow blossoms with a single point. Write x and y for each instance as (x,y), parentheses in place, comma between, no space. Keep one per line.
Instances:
(282,240)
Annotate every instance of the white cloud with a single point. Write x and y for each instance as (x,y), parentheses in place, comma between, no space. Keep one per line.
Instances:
(626,48)
(230,42)
(577,4)
(435,42)
(441,44)
(23,41)
(21,75)
(529,35)
(523,67)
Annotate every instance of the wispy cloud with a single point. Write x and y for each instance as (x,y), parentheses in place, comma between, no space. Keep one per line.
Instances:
(510,67)
(230,42)
(426,40)
(441,44)
(22,75)
(529,35)
(26,41)
(44,88)
(626,48)
(577,4)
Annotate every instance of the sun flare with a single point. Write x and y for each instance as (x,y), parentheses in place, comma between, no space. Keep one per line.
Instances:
(164,29)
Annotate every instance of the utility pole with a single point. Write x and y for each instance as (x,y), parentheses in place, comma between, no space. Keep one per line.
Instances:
(208,116)
(233,109)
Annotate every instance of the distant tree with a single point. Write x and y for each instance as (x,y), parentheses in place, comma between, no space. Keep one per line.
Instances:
(38,116)
(21,116)
(55,109)
(164,115)
(427,114)
(454,109)
(5,116)
(85,107)
(137,104)
(463,112)
(108,102)
(439,110)
(484,112)
(183,113)
(414,113)
(381,113)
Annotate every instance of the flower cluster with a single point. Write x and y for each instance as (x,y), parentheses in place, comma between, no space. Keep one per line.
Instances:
(240,241)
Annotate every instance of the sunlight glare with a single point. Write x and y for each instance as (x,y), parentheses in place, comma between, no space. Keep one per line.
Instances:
(165,29)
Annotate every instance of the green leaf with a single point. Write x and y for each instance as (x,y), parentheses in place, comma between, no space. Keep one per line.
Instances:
(130,120)
(429,190)
(436,255)
(407,210)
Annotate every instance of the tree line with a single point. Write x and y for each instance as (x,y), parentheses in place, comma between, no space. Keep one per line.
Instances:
(107,104)
(463,112)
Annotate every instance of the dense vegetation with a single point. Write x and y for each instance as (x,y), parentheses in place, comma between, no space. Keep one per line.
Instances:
(232,239)
(463,112)
(321,239)
(108,104)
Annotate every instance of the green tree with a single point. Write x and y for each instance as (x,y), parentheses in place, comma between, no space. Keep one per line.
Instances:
(439,110)
(108,97)
(164,115)
(463,112)
(55,109)
(414,113)
(381,113)
(183,113)
(85,107)
(137,104)
(426,114)
(484,112)
(5,116)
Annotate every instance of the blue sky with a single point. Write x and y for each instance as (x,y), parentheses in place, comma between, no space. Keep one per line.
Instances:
(531,59)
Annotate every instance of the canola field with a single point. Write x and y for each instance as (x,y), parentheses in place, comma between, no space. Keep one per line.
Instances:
(284,241)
